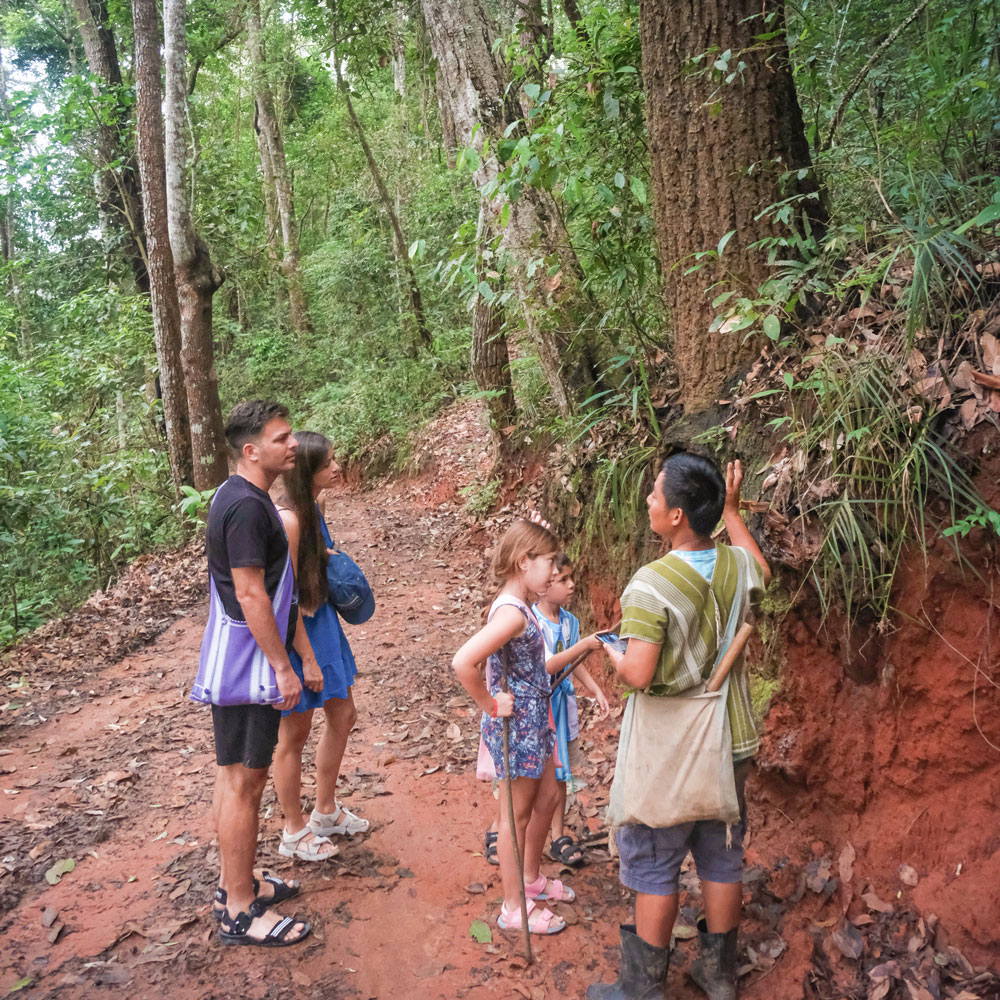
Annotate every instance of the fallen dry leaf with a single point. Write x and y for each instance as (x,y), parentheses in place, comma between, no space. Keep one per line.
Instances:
(873,902)
(908,875)
(845,863)
(848,940)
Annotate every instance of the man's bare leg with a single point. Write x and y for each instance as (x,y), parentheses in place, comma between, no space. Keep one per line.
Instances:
(238,821)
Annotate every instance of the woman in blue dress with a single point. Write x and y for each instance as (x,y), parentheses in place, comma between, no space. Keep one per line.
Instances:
(324,663)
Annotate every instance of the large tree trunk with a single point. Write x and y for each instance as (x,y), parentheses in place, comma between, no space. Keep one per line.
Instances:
(117,182)
(557,311)
(162,285)
(8,229)
(399,51)
(490,357)
(272,149)
(715,164)
(398,239)
(197,278)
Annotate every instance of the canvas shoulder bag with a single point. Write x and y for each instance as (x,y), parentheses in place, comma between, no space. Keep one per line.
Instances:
(675,761)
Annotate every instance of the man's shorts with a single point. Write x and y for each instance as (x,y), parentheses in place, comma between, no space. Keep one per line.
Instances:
(651,858)
(245,734)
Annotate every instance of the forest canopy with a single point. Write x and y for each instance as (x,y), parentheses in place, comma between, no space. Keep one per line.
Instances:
(595,218)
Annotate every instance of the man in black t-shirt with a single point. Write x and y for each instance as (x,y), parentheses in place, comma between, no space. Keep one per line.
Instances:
(244,671)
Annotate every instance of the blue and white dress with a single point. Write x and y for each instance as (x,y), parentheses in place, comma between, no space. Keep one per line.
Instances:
(531,738)
(333,652)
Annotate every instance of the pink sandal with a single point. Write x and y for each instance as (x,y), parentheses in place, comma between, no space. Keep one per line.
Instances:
(549,888)
(539,921)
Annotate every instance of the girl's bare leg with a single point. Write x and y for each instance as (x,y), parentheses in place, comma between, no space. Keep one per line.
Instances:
(523,790)
(293,733)
(341,714)
(541,819)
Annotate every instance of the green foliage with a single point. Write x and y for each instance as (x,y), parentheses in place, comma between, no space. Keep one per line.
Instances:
(883,478)
(194,503)
(481,495)
(910,199)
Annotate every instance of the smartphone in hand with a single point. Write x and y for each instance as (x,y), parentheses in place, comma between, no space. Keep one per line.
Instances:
(614,641)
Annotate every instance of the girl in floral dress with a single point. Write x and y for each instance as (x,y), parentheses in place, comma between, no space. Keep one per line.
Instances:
(511,638)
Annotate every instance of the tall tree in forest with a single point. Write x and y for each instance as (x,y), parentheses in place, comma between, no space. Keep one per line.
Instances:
(278,187)
(162,285)
(474,83)
(717,156)
(196,276)
(116,180)
(8,228)
(399,243)
(490,354)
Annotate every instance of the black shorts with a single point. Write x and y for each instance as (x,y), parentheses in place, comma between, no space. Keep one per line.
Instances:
(245,734)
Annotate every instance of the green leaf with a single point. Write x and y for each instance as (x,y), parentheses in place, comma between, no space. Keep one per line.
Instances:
(480,931)
(20,984)
(725,239)
(619,179)
(612,106)
(60,868)
(638,189)
(772,326)
(532,90)
(989,214)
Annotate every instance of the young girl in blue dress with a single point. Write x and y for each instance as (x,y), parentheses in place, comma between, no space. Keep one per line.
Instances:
(323,660)
(522,565)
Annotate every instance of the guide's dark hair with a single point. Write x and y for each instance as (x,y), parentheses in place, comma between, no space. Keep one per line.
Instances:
(561,562)
(310,456)
(247,419)
(695,484)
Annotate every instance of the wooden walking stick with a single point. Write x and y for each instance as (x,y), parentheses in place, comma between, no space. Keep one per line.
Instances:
(510,817)
(729,658)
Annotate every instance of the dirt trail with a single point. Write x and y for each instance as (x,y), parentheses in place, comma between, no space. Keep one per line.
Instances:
(118,778)
(105,763)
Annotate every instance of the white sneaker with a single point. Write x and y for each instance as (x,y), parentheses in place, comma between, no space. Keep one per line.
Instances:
(343,821)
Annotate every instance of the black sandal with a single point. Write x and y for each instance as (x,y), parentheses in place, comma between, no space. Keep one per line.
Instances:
(282,890)
(566,851)
(491,847)
(235,930)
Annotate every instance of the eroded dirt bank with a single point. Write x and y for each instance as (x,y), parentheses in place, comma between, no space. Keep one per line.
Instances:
(106,764)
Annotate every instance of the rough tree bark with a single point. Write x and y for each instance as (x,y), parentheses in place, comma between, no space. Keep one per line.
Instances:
(490,354)
(274,165)
(162,286)
(196,276)
(116,180)
(713,168)
(473,85)
(398,239)
(8,230)
(399,51)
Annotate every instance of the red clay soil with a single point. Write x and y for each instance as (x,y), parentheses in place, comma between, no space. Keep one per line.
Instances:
(106,763)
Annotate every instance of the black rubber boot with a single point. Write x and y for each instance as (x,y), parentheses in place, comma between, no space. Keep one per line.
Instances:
(643,973)
(715,969)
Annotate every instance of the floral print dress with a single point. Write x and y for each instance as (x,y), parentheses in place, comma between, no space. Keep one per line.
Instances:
(531,737)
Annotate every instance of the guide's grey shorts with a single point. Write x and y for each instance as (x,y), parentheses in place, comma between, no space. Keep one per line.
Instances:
(651,858)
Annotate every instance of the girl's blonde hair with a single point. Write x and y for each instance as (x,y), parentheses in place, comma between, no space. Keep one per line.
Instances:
(522,539)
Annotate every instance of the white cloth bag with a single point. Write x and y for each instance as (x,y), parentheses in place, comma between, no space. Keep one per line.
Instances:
(675,754)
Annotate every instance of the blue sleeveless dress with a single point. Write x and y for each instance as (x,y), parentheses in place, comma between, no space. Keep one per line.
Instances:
(333,652)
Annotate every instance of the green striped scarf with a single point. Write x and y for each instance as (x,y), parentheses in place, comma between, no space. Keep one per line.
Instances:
(669,603)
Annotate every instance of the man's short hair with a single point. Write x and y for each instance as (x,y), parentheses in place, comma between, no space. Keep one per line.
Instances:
(695,484)
(248,419)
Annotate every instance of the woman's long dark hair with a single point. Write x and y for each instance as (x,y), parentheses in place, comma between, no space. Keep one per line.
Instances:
(310,456)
